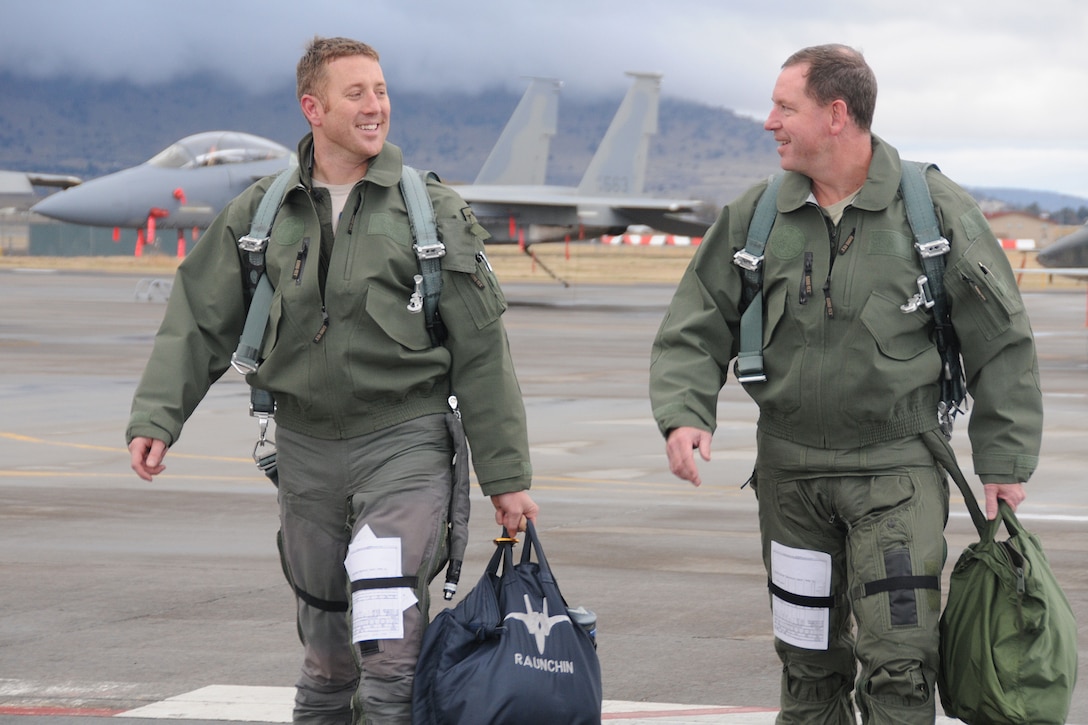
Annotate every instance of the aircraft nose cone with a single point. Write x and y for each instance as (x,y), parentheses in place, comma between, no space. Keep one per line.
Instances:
(1069,251)
(78,205)
(54,207)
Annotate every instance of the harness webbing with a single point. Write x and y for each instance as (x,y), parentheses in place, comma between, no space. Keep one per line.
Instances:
(749,366)
(258,287)
(429,250)
(932,248)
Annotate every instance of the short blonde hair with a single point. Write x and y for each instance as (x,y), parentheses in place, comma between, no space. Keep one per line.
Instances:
(310,74)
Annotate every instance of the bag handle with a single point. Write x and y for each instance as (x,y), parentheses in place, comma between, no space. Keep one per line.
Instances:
(532,541)
(987,530)
(504,547)
(942,451)
(1007,517)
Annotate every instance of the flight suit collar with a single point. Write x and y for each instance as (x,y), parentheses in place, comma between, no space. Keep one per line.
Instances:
(384,169)
(881,185)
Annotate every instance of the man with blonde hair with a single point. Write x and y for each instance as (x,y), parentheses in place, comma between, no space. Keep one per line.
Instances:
(365,435)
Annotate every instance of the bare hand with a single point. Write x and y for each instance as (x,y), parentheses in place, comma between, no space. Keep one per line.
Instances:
(1011,493)
(511,510)
(147,455)
(680,447)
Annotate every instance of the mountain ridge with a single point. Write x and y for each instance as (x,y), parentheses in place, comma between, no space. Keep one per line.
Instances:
(86,129)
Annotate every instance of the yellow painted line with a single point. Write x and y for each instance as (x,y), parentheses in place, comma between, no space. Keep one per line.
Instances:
(112,449)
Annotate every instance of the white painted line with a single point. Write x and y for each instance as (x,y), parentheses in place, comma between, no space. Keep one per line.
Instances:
(274,704)
(223,702)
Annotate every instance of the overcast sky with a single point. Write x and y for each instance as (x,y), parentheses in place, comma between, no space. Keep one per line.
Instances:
(996,93)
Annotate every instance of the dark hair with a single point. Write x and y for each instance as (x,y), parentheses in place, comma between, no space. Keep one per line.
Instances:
(839,72)
(310,74)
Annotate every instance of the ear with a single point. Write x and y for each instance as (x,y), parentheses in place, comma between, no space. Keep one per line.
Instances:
(312,109)
(840,116)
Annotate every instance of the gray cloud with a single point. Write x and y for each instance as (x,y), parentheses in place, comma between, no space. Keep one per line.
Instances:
(992,92)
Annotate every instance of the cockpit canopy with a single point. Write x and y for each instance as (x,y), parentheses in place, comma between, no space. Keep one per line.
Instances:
(213,148)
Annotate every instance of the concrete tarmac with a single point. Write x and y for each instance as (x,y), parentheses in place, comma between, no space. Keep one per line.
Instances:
(118,594)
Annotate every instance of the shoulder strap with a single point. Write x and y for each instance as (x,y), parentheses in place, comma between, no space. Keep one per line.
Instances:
(258,291)
(429,250)
(749,366)
(932,248)
(258,288)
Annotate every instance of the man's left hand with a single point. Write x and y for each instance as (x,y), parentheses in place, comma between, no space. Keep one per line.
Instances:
(1011,493)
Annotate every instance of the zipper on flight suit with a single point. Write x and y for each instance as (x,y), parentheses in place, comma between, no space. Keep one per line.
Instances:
(806,280)
(836,251)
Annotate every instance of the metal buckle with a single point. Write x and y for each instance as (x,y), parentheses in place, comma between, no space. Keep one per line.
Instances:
(933,249)
(245,367)
(754,378)
(747,260)
(252,244)
(922,299)
(430,251)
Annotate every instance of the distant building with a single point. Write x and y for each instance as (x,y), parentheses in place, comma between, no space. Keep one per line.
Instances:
(1021,225)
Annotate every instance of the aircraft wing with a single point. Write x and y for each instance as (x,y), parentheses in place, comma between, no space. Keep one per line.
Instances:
(496,206)
(1080,272)
(17,187)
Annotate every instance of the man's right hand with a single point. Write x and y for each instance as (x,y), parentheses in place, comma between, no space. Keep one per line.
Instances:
(680,447)
(147,455)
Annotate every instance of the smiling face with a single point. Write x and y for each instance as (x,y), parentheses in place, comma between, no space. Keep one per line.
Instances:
(801,126)
(350,122)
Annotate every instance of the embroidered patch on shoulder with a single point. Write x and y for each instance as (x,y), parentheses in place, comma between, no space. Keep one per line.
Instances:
(890,243)
(288,231)
(974,223)
(381,223)
(786,242)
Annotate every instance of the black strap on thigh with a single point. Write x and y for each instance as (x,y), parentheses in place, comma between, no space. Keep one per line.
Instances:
(802,600)
(895,583)
(385,582)
(325,605)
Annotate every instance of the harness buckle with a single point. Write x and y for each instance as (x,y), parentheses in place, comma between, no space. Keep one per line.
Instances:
(252,244)
(437,250)
(935,248)
(923,298)
(746,260)
(245,367)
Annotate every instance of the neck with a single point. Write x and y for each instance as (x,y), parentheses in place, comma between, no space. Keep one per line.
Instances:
(332,168)
(846,171)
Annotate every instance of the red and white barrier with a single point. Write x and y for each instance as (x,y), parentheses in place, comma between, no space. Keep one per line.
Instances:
(652,240)
(1019,245)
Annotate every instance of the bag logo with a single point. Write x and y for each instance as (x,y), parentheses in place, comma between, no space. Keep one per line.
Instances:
(539,624)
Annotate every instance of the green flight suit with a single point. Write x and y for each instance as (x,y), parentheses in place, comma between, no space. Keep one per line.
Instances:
(851,396)
(355,378)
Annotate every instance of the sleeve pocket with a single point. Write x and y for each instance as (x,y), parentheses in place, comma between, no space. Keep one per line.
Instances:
(980,295)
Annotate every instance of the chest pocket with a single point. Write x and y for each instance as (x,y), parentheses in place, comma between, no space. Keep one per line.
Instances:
(391,314)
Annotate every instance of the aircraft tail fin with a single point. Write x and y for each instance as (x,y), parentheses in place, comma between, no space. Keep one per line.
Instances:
(520,156)
(618,168)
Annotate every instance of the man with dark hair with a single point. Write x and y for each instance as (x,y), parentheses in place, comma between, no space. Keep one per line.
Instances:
(852,502)
(365,434)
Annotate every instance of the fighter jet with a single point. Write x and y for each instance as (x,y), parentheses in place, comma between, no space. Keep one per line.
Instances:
(186,185)
(183,186)
(520,156)
(609,198)
(1068,255)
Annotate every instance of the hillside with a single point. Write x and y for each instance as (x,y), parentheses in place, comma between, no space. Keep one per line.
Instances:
(89,129)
